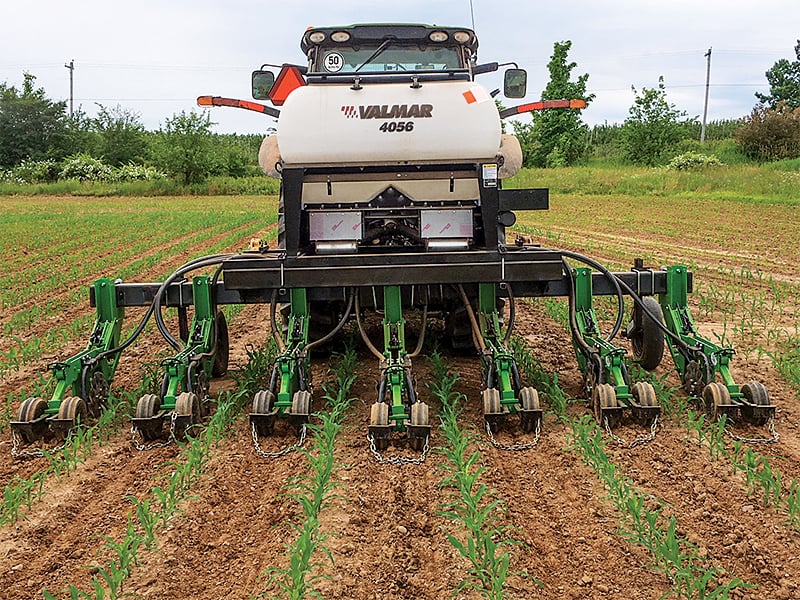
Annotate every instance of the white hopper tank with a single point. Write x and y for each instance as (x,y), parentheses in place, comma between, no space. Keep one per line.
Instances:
(388,123)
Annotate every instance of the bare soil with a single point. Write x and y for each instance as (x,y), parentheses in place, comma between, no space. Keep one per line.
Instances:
(388,538)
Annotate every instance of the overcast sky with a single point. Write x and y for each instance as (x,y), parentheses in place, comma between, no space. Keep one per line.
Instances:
(155,57)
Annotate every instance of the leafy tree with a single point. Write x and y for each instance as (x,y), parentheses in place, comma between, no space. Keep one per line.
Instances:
(653,127)
(771,134)
(31,125)
(185,146)
(784,82)
(121,136)
(80,136)
(557,137)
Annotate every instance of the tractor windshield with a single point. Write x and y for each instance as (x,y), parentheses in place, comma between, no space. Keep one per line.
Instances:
(387,58)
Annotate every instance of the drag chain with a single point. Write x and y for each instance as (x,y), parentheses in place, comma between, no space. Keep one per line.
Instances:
(398,460)
(141,447)
(279,453)
(637,442)
(745,440)
(515,447)
(18,454)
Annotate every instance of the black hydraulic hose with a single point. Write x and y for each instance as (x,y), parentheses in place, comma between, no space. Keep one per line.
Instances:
(339,325)
(151,309)
(614,282)
(136,333)
(276,335)
(205,261)
(213,351)
(619,286)
(573,320)
(640,303)
(590,352)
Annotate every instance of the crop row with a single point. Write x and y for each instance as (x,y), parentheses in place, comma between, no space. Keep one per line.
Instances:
(26,350)
(126,261)
(24,491)
(674,555)
(313,487)
(162,502)
(43,232)
(761,476)
(474,508)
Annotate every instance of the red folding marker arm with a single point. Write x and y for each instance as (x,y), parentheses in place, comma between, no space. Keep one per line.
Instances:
(542,105)
(245,104)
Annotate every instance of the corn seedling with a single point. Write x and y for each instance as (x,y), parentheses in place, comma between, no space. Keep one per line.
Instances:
(140,531)
(673,555)
(546,383)
(470,504)
(313,489)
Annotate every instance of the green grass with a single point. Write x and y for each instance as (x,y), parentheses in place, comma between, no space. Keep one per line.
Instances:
(739,183)
(213,186)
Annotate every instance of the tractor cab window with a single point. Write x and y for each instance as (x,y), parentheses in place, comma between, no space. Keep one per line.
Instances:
(386,59)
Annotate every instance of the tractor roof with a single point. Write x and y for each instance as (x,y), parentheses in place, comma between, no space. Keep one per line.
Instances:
(375,33)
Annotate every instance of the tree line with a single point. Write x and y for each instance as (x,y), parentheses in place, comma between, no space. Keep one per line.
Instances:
(40,141)
(655,129)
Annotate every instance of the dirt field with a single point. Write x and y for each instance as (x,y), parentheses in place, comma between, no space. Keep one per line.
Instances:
(388,538)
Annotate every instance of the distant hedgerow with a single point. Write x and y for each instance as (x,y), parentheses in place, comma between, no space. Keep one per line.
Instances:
(35,171)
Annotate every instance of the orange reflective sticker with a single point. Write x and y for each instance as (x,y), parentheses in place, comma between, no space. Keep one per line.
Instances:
(469,97)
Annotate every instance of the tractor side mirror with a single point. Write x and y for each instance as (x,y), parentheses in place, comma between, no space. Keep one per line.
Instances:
(262,83)
(515,83)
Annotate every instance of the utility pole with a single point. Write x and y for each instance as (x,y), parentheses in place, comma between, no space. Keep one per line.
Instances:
(705,106)
(71,67)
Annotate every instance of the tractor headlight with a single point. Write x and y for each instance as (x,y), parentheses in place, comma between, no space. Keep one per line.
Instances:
(316,37)
(462,37)
(438,36)
(340,36)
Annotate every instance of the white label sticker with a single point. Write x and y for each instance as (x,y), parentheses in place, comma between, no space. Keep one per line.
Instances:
(333,62)
(490,175)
